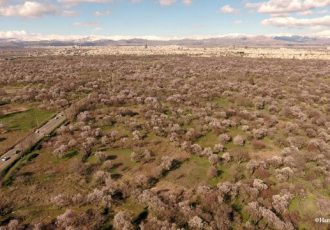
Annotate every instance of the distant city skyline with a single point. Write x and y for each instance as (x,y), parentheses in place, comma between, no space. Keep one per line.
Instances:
(162,19)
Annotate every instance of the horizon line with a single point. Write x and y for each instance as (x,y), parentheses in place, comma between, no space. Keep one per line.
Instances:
(23,35)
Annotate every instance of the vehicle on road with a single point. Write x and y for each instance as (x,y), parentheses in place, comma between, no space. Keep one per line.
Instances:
(5,158)
(58,116)
(18,151)
(37,131)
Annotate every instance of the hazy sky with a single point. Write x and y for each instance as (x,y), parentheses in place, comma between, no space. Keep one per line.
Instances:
(163,18)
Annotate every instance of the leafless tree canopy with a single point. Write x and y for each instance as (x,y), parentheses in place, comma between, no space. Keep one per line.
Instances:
(172,142)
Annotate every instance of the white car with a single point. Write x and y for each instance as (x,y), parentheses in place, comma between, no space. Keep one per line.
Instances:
(5,158)
(58,116)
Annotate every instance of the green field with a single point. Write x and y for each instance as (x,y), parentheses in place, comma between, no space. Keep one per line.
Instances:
(193,172)
(208,140)
(18,125)
(27,120)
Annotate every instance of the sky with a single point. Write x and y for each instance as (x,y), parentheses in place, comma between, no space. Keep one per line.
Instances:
(162,19)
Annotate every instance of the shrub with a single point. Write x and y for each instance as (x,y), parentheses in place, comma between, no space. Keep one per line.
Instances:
(257,144)
(214,159)
(226,157)
(218,148)
(281,203)
(196,223)
(224,138)
(238,140)
(108,164)
(259,184)
(259,133)
(122,221)
(101,156)
(212,172)
(61,200)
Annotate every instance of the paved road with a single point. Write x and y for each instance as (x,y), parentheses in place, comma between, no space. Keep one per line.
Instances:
(19,149)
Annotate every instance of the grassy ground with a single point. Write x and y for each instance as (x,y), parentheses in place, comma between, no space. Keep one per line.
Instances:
(208,140)
(25,121)
(20,124)
(306,207)
(222,102)
(13,88)
(132,206)
(10,175)
(123,157)
(8,109)
(44,174)
(48,174)
(193,172)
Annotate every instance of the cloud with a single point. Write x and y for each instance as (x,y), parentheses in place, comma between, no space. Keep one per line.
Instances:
(74,2)
(171,2)
(281,13)
(325,11)
(68,13)
(28,9)
(227,9)
(297,22)
(23,35)
(102,13)
(187,2)
(322,33)
(13,34)
(307,12)
(166,2)
(238,22)
(70,3)
(287,6)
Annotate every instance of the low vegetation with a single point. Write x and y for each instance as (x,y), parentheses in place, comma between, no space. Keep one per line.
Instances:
(168,142)
(14,126)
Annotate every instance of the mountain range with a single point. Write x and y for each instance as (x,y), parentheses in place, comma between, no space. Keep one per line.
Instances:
(241,40)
